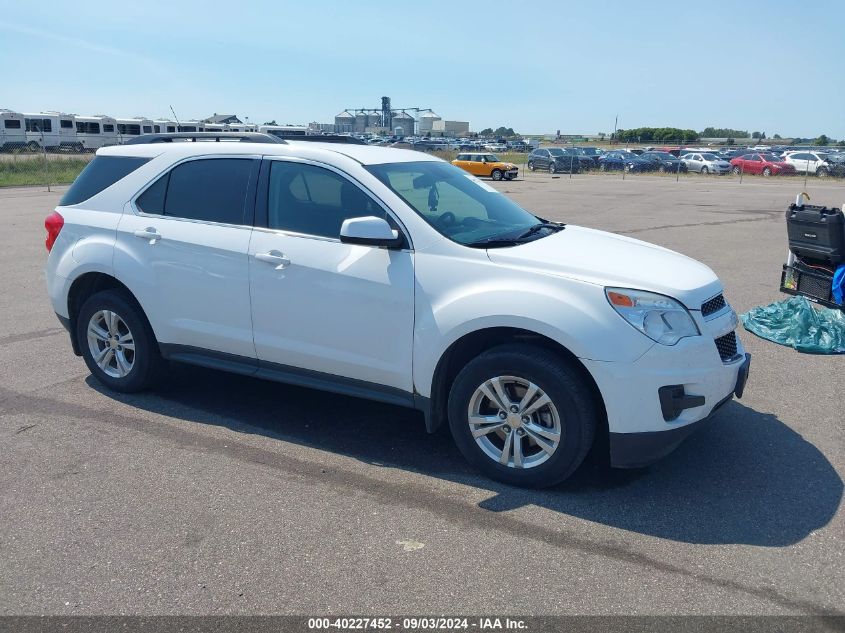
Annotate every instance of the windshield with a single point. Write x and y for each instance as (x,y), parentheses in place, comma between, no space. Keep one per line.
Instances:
(771,158)
(628,155)
(455,203)
(556,151)
(491,158)
(662,155)
(589,151)
(710,157)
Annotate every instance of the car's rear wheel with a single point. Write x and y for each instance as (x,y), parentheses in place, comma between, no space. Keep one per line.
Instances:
(33,146)
(821,172)
(662,169)
(496,174)
(117,343)
(603,167)
(552,168)
(522,416)
(531,166)
(704,171)
(736,170)
(767,171)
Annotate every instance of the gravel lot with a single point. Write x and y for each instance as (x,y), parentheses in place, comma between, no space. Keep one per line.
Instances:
(222,494)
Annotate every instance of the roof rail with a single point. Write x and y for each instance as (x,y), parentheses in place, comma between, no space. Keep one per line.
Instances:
(321,138)
(243,137)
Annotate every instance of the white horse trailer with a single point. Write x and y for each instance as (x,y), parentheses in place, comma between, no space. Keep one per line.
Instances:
(50,130)
(212,127)
(189,126)
(96,131)
(163,126)
(12,130)
(283,130)
(240,127)
(131,128)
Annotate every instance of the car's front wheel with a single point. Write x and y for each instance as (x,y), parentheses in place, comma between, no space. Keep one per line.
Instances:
(522,416)
(117,343)
(704,171)
(496,174)
(552,168)
(821,172)
(736,170)
(531,166)
(767,171)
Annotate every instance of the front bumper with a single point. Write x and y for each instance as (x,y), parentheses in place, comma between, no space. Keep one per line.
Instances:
(635,450)
(699,377)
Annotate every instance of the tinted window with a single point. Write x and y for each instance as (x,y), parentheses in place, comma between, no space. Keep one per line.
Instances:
(152,200)
(38,125)
(314,201)
(107,127)
(85,127)
(13,124)
(67,123)
(157,128)
(100,173)
(129,128)
(212,190)
(147,129)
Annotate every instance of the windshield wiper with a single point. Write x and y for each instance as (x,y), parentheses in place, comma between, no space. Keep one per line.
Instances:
(539,227)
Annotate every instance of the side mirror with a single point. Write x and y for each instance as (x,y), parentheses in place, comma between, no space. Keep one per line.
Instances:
(369,231)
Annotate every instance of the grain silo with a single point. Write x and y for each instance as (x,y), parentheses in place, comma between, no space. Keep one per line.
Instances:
(344,122)
(427,120)
(404,122)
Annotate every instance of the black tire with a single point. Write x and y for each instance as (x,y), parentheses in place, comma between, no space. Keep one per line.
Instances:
(530,166)
(767,171)
(662,169)
(496,174)
(560,381)
(552,168)
(33,146)
(736,171)
(822,172)
(147,364)
(704,171)
(603,167)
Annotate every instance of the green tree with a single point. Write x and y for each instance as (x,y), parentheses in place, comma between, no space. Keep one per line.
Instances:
(822,140)
(758,135)
(777,137)
(273,122)
(486,131)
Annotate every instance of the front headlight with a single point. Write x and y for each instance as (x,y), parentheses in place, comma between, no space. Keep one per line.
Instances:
(660,318)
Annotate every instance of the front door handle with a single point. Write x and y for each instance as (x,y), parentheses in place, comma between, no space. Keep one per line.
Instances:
(276,258)
(148,233)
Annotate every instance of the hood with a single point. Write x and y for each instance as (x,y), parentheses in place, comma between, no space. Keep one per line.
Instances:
(607,259)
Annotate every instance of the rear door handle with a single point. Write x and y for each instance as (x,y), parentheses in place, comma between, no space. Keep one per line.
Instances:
(276,258)
(148,233)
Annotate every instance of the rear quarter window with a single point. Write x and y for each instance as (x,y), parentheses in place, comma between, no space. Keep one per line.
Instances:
(100,173)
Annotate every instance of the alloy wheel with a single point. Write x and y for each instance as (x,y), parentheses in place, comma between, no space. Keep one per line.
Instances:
(111,343)
(514,422)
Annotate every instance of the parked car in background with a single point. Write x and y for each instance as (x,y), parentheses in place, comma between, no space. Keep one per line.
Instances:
(593,152)
(486,165)
(621,159)
(664,162)
(809,162)
(553,160)
(584,162)
(706,163)
(835,165)
(496,147)
(763,164)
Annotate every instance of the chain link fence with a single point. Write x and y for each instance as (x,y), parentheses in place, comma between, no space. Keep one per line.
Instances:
(22,167)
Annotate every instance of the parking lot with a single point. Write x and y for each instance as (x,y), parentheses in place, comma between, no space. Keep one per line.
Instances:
(223,494)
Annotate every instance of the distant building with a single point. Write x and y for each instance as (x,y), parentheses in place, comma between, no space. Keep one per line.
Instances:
(426,122)
(222,118)
(450,128)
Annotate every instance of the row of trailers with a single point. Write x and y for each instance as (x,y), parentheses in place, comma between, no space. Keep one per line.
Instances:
(55,131)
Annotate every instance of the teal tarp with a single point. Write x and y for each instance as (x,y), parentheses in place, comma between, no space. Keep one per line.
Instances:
(797,323)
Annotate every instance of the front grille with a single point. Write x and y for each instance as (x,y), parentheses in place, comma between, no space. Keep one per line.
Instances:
(711,306)
(727,346)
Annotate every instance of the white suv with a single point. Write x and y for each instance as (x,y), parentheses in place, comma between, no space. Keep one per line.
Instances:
(392,275)
(808,162)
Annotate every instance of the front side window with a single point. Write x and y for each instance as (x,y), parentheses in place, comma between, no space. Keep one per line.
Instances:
(211,190)
(455,203)
(306,199)
(13,124)
(67,123)
(107,127)
(147,129)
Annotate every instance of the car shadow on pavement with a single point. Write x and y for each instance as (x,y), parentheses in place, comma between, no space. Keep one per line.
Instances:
(744,478)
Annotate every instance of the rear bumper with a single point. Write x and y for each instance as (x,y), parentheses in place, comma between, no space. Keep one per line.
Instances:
(635,450)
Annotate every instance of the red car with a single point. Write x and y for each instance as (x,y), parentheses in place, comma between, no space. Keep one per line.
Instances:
(765,164)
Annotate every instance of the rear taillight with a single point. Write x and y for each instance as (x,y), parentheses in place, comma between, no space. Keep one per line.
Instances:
(53,224)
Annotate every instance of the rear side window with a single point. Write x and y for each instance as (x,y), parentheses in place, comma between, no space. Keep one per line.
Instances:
(100,173)
(211,190)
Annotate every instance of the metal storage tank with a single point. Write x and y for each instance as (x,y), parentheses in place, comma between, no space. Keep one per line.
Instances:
(427,120)
(344,121)
(362,122)
(405,121)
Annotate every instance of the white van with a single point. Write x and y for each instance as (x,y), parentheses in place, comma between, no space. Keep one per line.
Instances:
(283,130)
(12,130)
(133,127)
(50,130)
(96,131)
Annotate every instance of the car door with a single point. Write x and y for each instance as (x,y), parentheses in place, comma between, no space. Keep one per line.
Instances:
(754,164)
(182,248)
(322,308)
(478,165)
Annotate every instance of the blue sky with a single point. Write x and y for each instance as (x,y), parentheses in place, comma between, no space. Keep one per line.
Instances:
(537,66)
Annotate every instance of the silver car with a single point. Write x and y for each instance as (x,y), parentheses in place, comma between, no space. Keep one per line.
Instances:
(705,163)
